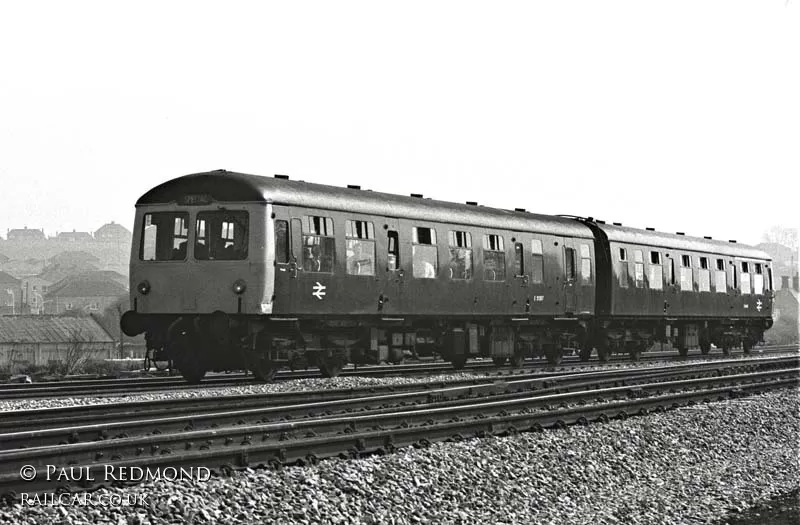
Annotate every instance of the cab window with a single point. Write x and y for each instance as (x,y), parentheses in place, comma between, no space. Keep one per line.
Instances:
(164,236)
(221,235)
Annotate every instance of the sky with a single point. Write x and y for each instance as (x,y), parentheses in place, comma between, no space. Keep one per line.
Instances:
(680,115)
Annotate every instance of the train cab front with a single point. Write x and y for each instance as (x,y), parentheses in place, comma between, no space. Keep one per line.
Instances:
(197,274)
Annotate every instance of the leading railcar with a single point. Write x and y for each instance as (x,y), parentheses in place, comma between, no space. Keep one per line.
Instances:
(230,271)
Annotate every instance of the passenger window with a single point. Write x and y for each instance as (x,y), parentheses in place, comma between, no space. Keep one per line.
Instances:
(221,235)
(164,236)
(735,279)
(319,244)
(586,264)
(424,256)
(281,242)
(720,283)
(745,277)
(360,245)
(656,272)
(537,260)
(686,273)
(704,275)
(519,260)
(624,273)
(623,254)
(494,258)
(460,265)
(393,255)
(638,260)
(758,279)
(672,272)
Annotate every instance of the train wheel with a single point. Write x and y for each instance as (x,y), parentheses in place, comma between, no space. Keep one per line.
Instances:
(499,361)
(191,370)
(747,345)
(553,355)
(585,353)
(705,346)
(517,360)
(634,354)
(458,361)
(603,351)
(263,369)
(726,349)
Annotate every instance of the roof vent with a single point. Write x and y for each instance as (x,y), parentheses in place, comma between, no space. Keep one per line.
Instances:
(472,203)
(617,224)
(520,209)
(732,240)
(650,229)
(284,177)
(679,233)
(706,237)
(354,186)
(417,195)
(600,222)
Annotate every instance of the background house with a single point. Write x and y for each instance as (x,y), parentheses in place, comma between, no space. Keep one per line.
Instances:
(42,339)
(10,294)
(88,292)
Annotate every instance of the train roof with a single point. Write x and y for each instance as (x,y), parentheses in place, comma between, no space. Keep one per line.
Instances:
(225,186)
(628,235)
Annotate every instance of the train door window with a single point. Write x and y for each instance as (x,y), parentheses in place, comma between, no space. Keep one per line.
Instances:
(586,264)
(460,265)
(638,268)
(769,278)
(655,275)
(672,271)
(745,277)
(734,276)
(537,261)
(281,242)
(758,279)
(720,283)
(164,236)
(424,253)
(686,273)
(360,245)
(623,273)
(319,244)
(703,275)
(393,249)
(494,258)
(221,235)
(519,259)
(569,263)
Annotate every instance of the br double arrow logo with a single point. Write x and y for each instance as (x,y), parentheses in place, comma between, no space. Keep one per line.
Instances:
(319,290)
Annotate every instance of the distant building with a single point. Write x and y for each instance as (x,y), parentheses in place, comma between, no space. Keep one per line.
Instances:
(73,258)
(88,292)
(10,294)
(25,234)
(112,232)
(33,291)
(3,258)
(42,339)
(74,236)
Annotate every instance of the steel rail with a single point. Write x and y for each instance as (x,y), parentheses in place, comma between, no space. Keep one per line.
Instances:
(76,424)
(357,434)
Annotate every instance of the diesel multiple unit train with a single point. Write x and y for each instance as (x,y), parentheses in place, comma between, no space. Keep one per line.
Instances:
(232,271)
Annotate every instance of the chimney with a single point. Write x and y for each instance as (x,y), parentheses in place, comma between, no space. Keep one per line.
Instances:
(795,282)
(784,282)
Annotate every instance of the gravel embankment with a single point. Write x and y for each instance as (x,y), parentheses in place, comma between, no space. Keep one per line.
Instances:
(292,385)
(693,465)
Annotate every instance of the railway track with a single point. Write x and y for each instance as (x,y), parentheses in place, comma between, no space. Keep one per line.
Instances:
(111,387)
(305,432)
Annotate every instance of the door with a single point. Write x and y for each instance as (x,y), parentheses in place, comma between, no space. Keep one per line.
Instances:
(390,261)
(570,276)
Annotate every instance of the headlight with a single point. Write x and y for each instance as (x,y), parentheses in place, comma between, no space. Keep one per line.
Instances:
(144,287)
(239,287)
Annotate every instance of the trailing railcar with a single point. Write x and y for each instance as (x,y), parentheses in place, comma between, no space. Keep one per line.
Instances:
(687,291)
(230,270)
